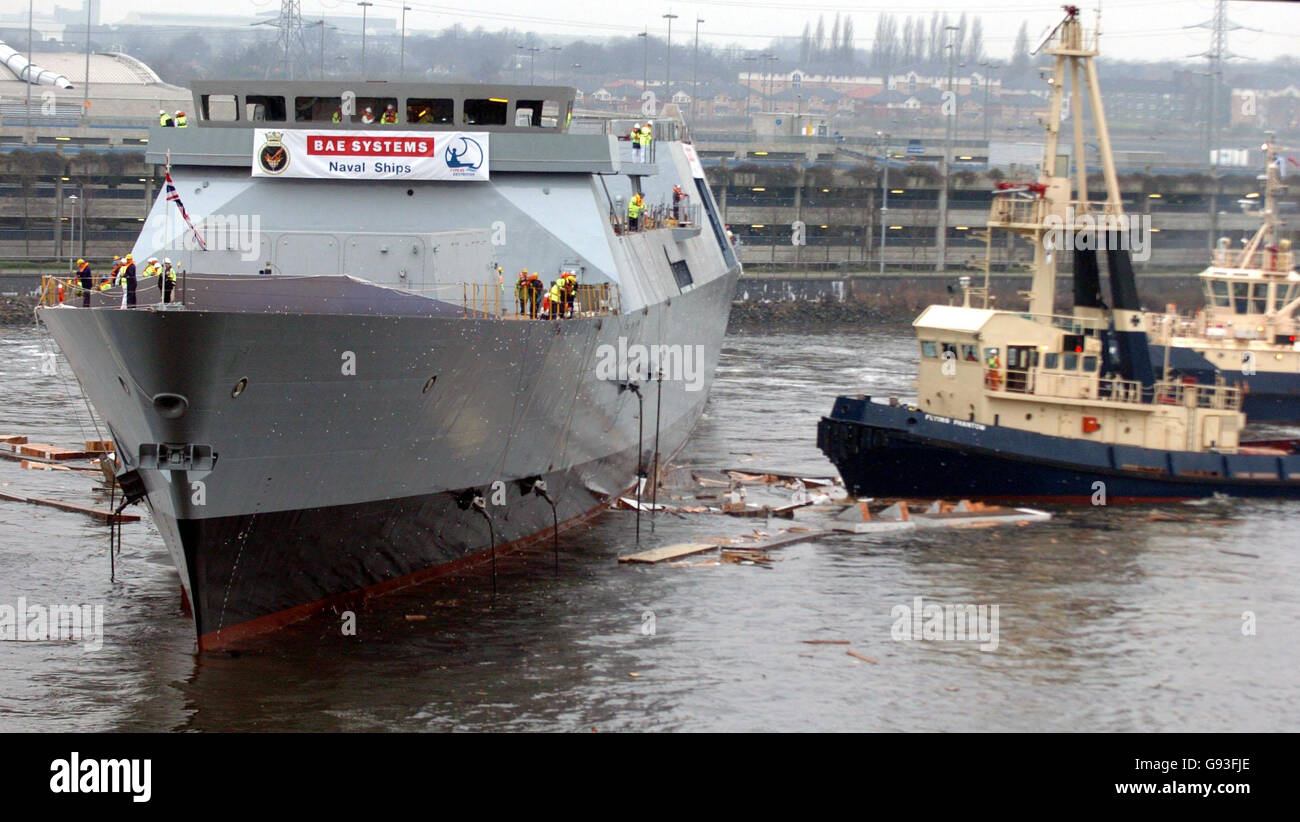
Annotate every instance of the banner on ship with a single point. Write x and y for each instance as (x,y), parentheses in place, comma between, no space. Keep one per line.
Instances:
(370,155)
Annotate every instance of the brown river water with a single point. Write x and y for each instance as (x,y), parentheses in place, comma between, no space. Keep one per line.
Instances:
(1109,619)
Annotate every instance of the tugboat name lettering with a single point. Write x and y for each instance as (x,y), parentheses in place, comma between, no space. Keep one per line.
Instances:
(961,423)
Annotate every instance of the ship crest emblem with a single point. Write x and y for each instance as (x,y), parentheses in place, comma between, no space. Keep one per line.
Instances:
(273,156)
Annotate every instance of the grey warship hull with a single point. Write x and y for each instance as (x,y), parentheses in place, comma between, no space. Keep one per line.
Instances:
(311,436)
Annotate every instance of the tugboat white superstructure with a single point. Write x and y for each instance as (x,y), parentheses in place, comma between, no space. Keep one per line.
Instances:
(1246,332)
(1031,405)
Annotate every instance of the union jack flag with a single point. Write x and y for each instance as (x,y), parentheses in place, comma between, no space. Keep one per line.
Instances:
(173,197)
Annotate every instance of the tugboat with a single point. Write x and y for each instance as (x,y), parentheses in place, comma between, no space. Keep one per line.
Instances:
(1031,405)
(1246,332)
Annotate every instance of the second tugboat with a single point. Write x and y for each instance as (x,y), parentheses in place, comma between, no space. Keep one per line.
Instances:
(1033,405)
(1246,333)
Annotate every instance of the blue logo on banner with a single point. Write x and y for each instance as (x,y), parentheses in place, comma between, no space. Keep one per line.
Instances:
(464,153)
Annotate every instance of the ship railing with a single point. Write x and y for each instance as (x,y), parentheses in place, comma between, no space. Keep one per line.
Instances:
(1196,395)
(1102,215)
(1015,210)
(55,290)
(1044,383)
(685,214)
(484,300)
(1163,327)
(1067,322)
(1264,259)
(481,299)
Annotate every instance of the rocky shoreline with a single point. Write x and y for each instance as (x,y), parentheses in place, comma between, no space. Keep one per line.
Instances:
(17,310)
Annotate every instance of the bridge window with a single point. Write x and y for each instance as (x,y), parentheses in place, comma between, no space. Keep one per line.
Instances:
(264,107)
(371,110)
(317,109)
(1090,364)
(929,348)
(489,112)
(969,353)
(1240,292)
(537,113)
(1259,298)
(1052,361)
(219,107)
(1219,293)
(439,111)
(1071,361)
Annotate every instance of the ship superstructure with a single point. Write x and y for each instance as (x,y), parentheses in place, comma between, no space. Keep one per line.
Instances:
(343,396)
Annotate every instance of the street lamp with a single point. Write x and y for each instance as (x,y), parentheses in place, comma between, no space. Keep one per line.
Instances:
(749,90)
(884,198)
(72,228)
(532,62)
(555,61)
(770,58)
(402,62)
(950,128)
(364,4)
(645,59)
(695,68)
(991,65)
(668,70)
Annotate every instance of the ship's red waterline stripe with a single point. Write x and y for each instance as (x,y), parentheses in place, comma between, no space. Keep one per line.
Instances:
(223,638)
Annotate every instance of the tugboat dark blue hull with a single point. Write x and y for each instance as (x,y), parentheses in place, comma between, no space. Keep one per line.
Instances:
(900,451)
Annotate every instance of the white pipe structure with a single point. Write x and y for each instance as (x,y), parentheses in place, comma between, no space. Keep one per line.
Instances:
(32,73)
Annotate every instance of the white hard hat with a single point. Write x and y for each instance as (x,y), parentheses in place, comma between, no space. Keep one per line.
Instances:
(153,259)
(167,260)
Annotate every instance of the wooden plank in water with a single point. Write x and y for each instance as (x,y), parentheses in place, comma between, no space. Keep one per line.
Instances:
(97,513)
(682,549)
(46,451)
(13,439)
(788,538)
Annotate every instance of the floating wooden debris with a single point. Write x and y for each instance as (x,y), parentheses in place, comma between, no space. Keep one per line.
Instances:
(668,552)
(46,451)
(630,504)
(862,657)
(825,641)
(76,508)
(899,516)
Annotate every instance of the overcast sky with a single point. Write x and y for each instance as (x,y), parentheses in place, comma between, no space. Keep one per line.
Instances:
(1131,30)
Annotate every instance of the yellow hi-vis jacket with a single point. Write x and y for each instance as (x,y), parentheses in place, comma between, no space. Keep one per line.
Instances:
(634,208)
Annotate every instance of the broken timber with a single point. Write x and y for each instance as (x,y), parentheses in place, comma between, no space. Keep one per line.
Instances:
(97,513)
(682,549)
